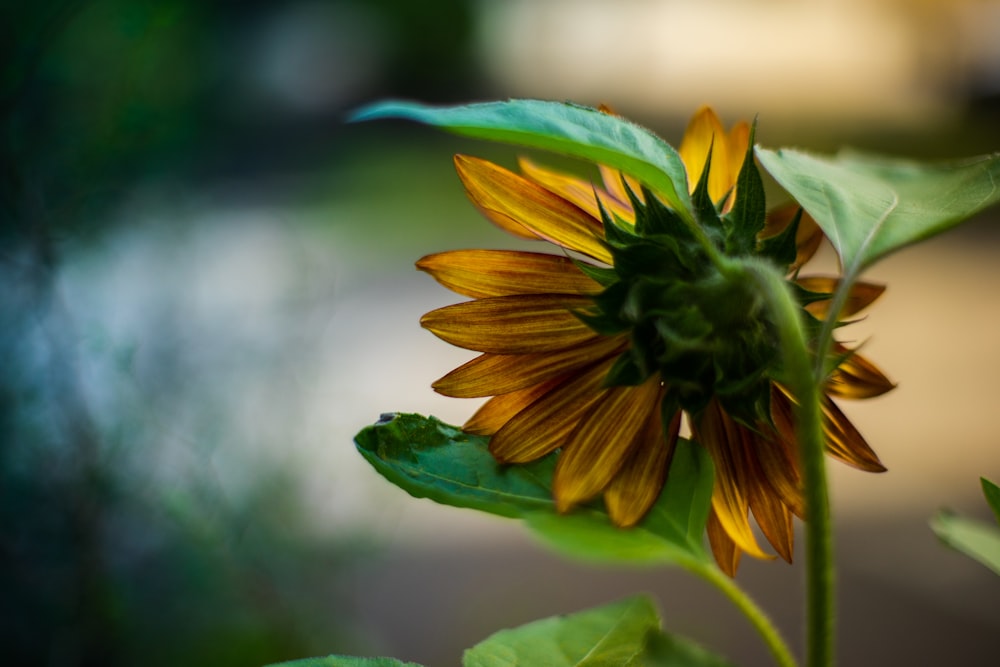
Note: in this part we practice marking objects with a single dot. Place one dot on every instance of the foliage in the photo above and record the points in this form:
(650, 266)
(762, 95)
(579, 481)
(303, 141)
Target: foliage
(430, 459)
(622, 634)
(976, 539)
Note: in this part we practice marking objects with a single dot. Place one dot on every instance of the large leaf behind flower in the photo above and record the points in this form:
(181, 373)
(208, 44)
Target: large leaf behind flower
(871, 206)
(623, 634)
(570, 129)
(431, 459)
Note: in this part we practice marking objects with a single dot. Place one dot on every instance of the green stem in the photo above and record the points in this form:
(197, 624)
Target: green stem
(805, 383)
(837, 302)
(757, 617)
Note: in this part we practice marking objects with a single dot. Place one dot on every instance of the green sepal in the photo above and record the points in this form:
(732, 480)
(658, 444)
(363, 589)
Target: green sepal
(704, 207)
(652, 217)
(806, 296)
(626, 633)
(782, 248)
(647, 259)
(607, 320)
(602, 275)
(617, 233)
(602, 323)
(628, 370)
(749, 212)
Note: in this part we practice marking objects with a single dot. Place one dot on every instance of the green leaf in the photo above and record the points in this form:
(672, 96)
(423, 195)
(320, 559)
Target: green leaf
(871, 206)
(992, 493)
(611, 635)
(668, 650)
(345, 661)
(980, 541)
(623, 634)
(570, 129)
(430, 459)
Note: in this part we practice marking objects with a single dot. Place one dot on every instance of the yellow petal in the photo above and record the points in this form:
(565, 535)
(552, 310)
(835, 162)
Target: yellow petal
(497, 411)
(723, 439)
(546, 424)
(617, 199)
(704, 133)
(739, 142)
(576, 190)
(638, 484)
(602, 442)
(774, 519)
(844, 442)
(519, 324)
(856, 377)
(778, 455)
(504, 196)
(862, 295)
(727, 554)
(493, 374)
(484, 273)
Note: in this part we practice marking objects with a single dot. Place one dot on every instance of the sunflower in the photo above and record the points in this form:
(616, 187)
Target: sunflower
(599, 350)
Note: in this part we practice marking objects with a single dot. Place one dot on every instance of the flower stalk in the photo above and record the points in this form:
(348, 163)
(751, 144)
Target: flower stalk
(805, 384)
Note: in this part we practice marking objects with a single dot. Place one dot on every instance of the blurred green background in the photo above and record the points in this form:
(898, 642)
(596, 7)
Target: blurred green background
(208, 289)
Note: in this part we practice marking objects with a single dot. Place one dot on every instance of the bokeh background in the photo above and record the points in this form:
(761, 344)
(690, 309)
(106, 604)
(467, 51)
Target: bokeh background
(207, 289)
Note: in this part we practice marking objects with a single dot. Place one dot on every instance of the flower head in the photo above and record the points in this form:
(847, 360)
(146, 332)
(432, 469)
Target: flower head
(599, 349)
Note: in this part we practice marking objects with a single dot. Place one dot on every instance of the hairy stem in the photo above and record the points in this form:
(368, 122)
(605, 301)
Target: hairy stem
(757, 617)
(805, 381)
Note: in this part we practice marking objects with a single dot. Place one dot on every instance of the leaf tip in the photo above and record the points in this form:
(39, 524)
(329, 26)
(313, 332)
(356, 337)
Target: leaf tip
(379, 110)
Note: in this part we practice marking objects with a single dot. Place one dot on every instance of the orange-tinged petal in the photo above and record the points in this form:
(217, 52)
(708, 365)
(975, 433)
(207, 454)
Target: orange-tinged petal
(726, 553)
(723, 439)
(547, 423)
(493, 374)
(519, 324)
(856, 377)
(704, 133)
(844, 442)
(807, 237)
(503, 195)
(778, 455)
(602, 442)
(774, 519)
(638, 484)
(862, 295)
(497, 411)
(485, 273)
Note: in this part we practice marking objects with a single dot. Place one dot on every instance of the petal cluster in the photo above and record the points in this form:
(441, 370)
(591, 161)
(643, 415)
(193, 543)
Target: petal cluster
(598, 349)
